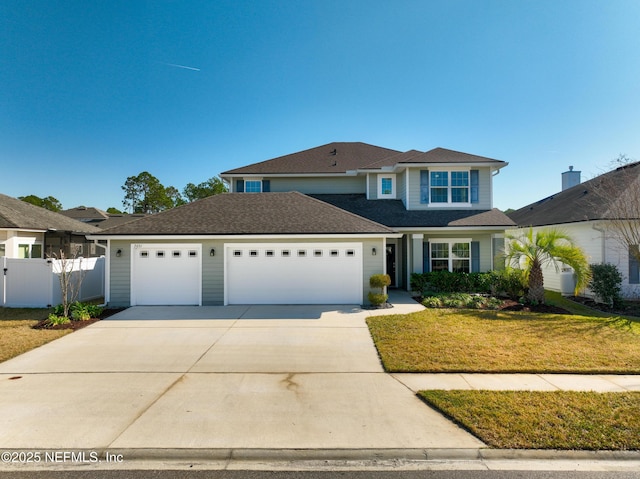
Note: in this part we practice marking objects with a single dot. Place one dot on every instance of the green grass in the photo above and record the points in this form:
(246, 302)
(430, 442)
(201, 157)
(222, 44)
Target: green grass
(17, 335)
(544, 420)
(449, 340)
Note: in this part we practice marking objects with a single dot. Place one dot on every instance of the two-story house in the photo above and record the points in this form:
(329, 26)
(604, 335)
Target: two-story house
(312, 227)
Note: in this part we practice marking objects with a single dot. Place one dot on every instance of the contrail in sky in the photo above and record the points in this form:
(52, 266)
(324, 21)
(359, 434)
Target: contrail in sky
(181, 66)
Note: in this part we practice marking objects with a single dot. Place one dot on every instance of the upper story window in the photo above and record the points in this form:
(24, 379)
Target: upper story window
(449, 186)
(457, 187)
(253, 186)
(386, 186)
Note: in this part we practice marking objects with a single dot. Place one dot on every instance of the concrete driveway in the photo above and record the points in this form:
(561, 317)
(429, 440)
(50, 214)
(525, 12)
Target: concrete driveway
(236, 377)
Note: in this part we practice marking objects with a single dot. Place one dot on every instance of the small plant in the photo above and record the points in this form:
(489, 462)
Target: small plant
(79, 311)
(380, 281)
(606, 283)
(432, 302)
(55, 320)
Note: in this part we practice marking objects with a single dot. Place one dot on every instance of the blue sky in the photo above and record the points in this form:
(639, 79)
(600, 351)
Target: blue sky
(92, 92)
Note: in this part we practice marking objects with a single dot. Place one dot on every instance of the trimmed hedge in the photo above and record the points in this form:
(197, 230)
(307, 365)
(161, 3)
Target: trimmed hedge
(508, 282)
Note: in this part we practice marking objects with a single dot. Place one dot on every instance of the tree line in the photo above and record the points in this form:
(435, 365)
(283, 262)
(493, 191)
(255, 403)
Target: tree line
(143, 193)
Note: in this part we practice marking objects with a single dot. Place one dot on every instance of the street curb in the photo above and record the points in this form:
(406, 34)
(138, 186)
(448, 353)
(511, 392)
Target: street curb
(427, 454)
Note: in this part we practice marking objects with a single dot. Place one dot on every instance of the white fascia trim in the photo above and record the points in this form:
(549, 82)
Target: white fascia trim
(26, 230)
(142, 239)
(290, 175)
(452, 229)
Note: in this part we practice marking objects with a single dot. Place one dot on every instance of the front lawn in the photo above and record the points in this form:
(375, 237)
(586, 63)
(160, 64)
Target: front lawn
(447, 340)
(544, 420)
(17, 335)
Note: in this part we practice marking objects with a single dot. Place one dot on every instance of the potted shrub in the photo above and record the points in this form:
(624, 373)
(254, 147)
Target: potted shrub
(379, 281)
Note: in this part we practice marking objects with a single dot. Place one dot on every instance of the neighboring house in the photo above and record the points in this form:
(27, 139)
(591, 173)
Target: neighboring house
(580, 211)
(312, 227)
(28, 231)
(89, 215)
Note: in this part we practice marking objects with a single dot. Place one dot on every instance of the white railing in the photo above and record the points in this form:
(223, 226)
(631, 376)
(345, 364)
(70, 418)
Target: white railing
(35, 283)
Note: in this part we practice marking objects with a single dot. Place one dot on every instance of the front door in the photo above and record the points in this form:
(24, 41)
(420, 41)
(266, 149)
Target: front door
(391, 263)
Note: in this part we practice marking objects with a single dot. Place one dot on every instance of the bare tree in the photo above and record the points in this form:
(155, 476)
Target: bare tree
(615, 199)
(70, 277)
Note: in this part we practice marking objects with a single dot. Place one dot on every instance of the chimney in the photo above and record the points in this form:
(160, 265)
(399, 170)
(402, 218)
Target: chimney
(570, 178)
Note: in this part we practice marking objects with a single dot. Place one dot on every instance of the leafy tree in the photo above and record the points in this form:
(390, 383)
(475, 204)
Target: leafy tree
(145, 194)
(547, 246)
(113, 211)
(212, 186)
(50, 203)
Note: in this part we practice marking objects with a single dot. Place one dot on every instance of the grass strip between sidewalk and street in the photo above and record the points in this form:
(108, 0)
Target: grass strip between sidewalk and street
(480, 341)
(567, 420)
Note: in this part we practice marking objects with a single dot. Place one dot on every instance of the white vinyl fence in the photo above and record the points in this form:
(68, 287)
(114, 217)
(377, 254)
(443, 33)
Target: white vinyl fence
(35, 283)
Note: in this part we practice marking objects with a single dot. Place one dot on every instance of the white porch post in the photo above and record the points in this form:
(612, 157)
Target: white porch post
(417, 240)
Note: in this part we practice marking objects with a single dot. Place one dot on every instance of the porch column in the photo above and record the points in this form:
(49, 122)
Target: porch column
(416, 246)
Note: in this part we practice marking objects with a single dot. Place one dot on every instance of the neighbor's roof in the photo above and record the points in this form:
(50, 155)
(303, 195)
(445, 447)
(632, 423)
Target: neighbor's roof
(335, 157)
(392, 213)
(17, 214)
(251, 213)
(85, 213)
(582, 202)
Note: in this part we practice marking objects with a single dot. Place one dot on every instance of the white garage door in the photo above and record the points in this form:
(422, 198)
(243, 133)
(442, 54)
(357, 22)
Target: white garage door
(166, 274)
(285, 273)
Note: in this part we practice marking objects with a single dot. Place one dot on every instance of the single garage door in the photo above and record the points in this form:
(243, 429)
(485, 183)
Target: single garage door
(166, 274)
(301, 273)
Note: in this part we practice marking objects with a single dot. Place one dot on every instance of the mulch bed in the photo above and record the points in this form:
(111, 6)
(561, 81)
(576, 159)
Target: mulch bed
(75, 325)
(629, 308)
(510, 305)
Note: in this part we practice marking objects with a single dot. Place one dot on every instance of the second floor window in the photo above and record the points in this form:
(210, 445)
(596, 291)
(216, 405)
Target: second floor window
(449, 186)
(253, 186)
(386, 186)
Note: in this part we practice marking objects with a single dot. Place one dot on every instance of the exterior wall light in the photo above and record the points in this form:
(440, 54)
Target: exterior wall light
(119, 253)
(373, 251)
(212, 252)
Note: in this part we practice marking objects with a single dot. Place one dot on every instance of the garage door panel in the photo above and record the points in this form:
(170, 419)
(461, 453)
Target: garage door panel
(294, 274)
(166, 275)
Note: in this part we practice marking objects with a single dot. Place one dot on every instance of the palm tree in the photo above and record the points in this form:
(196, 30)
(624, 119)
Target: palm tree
(548, 246)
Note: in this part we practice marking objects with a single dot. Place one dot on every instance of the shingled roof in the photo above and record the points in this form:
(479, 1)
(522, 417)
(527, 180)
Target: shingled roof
(247, 214)
(18, 214)
(392, 213)
(337, 157)
(581, 202)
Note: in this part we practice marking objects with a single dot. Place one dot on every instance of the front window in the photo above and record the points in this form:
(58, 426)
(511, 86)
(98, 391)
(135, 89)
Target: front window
(449, 187)
(253, 186)
(451, 256)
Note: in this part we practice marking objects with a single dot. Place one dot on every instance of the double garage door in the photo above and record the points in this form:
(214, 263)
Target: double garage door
(268, 273)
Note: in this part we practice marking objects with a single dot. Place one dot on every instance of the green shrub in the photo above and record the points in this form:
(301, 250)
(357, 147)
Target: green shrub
(509, 282)
(606, 283)
(377, 298)
(432, 302)
(379, 281)
(79, 311)
(447, 282)
(55, 320)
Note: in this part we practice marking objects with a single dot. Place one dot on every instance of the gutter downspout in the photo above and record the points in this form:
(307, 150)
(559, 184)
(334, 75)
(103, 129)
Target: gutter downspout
(105, 277)
(602, 242)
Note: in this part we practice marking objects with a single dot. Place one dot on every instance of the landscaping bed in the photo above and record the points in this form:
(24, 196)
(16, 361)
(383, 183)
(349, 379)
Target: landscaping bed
(75, 325)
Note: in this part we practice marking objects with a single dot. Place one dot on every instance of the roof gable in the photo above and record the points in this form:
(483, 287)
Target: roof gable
(18, 214)
(442, 155)
(337, 157)
(251, 214)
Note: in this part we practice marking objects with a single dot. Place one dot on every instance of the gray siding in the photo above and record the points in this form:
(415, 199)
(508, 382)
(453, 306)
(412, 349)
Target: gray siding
(401, 187)
(120, 274)
(344, 184)
(484, 191)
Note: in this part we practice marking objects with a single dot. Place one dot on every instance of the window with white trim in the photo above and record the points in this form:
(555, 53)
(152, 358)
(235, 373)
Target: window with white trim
(453, 256)
(449, 187)
(253, 186)
(386, 186)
